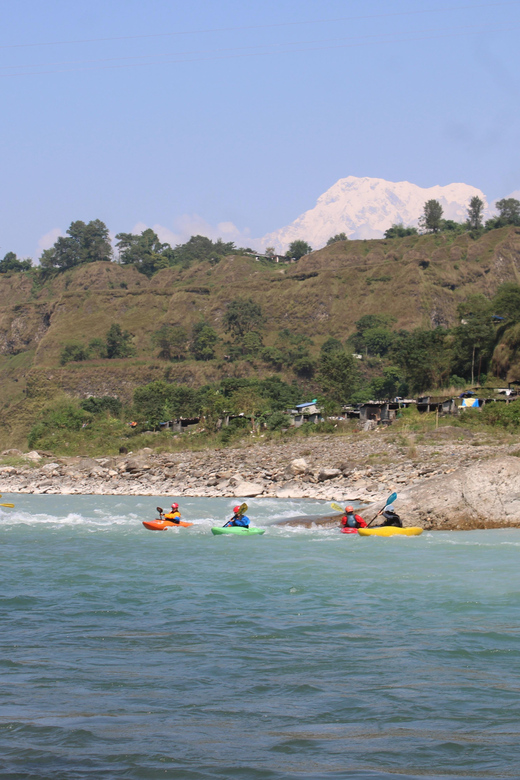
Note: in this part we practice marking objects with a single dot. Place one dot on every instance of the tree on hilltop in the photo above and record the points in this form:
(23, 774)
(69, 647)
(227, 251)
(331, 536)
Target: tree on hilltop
(84, 243)
(509, 211)
(336, 238)
(431, 219)
(144, 251)
(13, 263)
(475, 209)
(398, 230)
(298, 249)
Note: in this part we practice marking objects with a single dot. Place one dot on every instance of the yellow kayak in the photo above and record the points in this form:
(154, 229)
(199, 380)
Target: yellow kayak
(390, 530)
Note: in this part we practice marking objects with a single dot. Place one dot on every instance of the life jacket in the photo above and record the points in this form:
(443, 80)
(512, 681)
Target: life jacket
(392, 518)
(242, 521)
(173, 516)
(353, 521)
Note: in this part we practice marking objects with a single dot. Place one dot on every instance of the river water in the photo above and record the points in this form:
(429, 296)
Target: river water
(302, 654)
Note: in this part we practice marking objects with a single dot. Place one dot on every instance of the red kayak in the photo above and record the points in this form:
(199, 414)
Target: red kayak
(348, 530)
(163, 525)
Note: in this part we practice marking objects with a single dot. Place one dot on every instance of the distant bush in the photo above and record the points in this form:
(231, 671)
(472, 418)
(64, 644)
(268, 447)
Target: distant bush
(74, 353)
(501, 415)
(63, 414)
(104, 403)
(278, 420)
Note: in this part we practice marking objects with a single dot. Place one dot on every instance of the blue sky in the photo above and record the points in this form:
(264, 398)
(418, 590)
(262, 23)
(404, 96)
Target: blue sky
(195, 115)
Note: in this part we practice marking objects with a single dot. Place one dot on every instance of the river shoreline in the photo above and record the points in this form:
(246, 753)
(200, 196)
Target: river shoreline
(365, 468)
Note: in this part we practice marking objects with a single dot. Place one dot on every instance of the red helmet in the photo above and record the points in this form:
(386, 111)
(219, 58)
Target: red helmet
(236, 510)
(349, 509)
(175, 506)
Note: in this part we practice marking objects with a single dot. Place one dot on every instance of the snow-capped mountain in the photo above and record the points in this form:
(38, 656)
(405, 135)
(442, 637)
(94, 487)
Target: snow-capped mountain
(365, 208)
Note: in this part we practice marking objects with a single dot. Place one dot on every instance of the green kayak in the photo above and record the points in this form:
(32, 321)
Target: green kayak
(237, 531)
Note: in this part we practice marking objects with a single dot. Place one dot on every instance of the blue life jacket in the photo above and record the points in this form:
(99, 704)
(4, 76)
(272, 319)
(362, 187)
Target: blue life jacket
(242, 521)
(351, 521)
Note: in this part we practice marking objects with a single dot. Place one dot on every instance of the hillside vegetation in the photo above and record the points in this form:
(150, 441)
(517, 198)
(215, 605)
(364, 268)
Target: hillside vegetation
(416, 281)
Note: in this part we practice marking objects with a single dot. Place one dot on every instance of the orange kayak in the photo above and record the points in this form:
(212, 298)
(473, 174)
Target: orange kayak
(163, 525)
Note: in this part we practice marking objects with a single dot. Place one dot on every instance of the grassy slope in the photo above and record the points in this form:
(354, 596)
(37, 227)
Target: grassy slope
(418, 279)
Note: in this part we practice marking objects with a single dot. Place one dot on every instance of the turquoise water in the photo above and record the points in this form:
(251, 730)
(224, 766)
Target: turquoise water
(301, 654)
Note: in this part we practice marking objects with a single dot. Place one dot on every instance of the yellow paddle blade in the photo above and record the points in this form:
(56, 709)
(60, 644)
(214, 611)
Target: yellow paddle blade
(11, 506)
(337, 507)
(243, 508)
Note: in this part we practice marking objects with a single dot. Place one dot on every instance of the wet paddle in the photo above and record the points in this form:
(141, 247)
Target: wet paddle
(11, 506)
(390, 500)
(241, 511)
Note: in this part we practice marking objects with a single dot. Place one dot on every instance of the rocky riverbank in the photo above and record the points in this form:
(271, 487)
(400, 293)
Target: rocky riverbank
(443, 481)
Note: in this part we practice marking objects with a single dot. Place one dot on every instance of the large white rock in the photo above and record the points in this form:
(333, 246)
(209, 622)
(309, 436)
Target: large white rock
(33, 456)
(248, 490)
(299, 466)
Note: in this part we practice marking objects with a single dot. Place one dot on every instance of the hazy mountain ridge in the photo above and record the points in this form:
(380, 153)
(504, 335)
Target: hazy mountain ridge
(365, 207)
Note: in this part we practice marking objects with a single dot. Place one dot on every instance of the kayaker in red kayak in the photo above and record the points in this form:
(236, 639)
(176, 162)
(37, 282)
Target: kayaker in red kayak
(174, 515)
(351, 520)
(239, 518)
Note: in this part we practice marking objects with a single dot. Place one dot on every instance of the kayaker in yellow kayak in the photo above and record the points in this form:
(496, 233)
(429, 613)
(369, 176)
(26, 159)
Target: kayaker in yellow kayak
(391, 518)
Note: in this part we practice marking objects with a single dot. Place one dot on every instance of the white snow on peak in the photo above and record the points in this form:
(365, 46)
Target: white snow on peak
(365, 208)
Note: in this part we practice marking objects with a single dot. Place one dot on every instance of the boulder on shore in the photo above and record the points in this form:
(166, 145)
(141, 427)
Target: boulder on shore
(248, 489)
(485, 495)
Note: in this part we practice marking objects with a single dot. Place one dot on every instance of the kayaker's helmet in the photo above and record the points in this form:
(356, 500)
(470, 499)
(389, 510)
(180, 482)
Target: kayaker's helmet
(349, 509)
(175, 506)
(236, 510)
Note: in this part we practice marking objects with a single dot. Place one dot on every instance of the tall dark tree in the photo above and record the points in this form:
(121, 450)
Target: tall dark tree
(144, 251)
(424, 355)
(474, 338)
(475, 209)
(118, 343)
(338, 375)
(84, 243)
(431, 219)
(205, 339)
(508, 211)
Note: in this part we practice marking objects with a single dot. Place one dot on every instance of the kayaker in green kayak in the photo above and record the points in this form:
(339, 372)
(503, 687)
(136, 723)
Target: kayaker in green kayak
(239, 519)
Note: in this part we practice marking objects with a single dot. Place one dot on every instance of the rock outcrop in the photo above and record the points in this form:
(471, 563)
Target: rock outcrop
(486, 495)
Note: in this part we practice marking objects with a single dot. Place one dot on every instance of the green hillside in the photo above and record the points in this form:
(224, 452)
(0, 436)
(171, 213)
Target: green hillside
(417, 280)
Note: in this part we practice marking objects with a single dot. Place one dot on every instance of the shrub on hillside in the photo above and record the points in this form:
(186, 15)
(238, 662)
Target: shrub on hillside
(64, 414)
(501, 415)
(74, 353)
(172, 342)
(278, 420)
(104, 403)
(205, 339)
